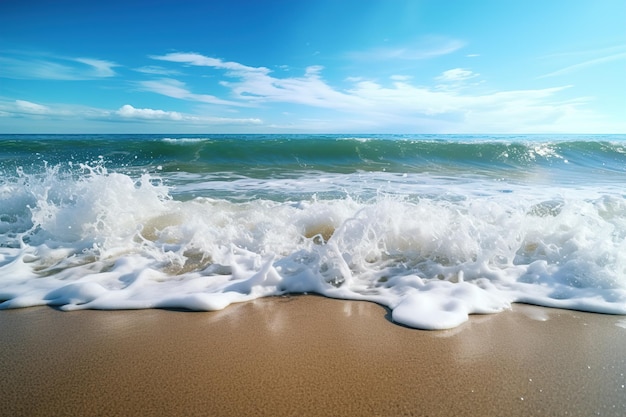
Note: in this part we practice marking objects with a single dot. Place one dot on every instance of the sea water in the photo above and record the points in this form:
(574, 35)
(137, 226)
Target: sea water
(434, 227)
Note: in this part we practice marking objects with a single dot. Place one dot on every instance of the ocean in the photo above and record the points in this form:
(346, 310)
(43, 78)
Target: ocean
(434, 227)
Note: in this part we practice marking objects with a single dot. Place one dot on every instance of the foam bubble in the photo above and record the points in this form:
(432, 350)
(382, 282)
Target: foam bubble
(97, 239)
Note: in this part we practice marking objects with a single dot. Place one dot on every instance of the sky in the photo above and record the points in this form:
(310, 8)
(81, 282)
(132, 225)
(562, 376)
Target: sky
(313, 66)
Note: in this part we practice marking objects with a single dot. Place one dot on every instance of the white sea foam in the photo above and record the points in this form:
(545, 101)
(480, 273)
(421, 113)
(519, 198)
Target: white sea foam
(433, 250)
(182, 141)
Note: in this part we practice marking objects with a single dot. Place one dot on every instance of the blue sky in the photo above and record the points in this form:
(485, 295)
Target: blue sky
(320, 66)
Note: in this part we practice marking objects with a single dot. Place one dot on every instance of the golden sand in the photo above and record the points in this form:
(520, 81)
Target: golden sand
(309, 356)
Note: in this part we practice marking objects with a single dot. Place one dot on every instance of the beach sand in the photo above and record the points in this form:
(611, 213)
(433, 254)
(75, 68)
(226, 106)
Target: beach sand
(308, 355)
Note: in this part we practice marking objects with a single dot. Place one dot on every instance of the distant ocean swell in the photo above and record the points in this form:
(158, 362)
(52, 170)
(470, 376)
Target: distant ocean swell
(435, 228)
(325, 153)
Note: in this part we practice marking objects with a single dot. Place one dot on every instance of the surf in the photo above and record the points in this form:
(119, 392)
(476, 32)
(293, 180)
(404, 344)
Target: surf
(433, 247)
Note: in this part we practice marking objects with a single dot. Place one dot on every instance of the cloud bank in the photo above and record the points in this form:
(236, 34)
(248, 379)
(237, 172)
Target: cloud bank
(129, 112)
(451, 103)
(455, 100)
(23, 66)
(126, 113)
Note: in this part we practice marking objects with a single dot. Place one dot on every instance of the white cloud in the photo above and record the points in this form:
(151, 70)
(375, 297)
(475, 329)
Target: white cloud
(403, 98)
(254, 85)
(446, 107)
(24, 109)
(99, 67)
(128, 111)
(396, 102)
(50, 67)
(311, 90)
(313, 71)
(192, 58)
(27, 69)
(177, 89)
(424, 48)
(157, 70)
(30, 107)
(401, 77)
(585, 64)
(409, 101)
(456, 75)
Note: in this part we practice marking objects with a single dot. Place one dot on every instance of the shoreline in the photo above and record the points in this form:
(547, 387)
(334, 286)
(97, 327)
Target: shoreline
(309, 355)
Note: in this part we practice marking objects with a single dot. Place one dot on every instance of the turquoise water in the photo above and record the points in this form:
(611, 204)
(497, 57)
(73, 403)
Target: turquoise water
(435, 227)
(271, 155)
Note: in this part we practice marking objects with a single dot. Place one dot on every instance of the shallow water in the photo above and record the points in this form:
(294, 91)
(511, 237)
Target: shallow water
(433, 227)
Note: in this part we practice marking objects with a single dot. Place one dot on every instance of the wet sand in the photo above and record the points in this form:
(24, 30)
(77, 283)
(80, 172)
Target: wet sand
(307, 355)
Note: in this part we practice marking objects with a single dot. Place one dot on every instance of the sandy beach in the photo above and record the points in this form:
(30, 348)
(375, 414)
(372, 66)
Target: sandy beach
(309, 356)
